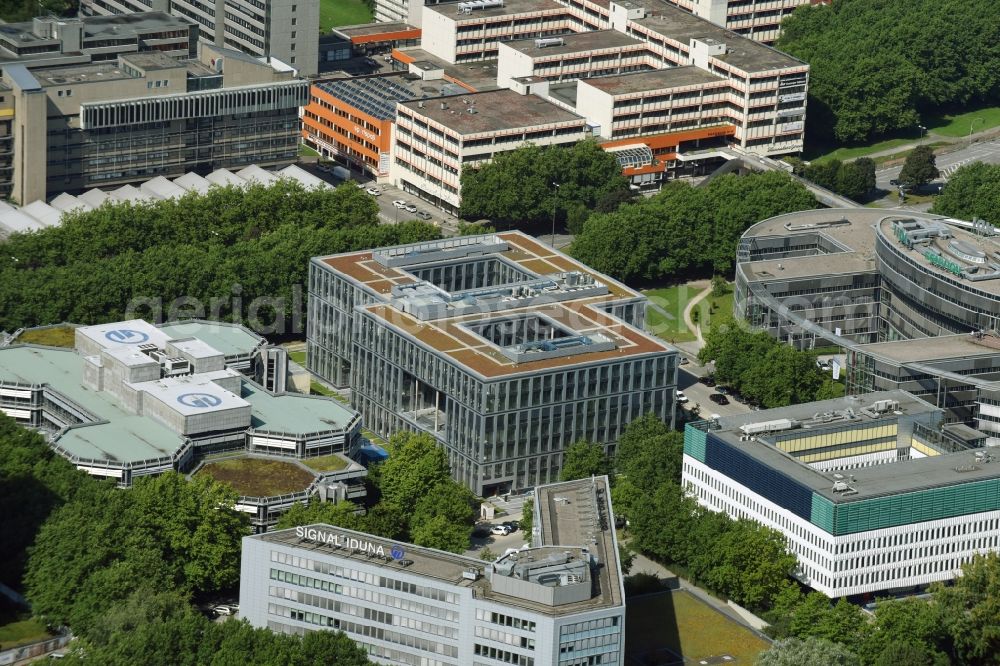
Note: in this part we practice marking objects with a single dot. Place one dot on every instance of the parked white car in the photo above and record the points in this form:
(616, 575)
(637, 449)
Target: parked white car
(399, 203)
(374, 191)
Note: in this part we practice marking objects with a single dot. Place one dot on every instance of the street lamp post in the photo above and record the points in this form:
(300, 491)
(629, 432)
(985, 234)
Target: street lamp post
(923, 130)
(555, 201)
(971, 125)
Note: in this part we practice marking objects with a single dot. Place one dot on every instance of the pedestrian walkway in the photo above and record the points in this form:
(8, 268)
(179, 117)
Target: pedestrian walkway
(689, 308)
(931, 137)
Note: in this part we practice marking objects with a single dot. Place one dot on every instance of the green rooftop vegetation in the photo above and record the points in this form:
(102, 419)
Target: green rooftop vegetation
(679, 623)
(259, 477)
(55, 336)
(330, 463)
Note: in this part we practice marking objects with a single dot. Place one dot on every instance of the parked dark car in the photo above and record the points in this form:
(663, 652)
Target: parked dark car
(514, 525)
(719, 399)
(707, 380)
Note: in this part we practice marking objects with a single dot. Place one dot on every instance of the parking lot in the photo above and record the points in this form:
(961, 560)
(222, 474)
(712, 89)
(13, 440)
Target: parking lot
(497, 544)
(698, 394)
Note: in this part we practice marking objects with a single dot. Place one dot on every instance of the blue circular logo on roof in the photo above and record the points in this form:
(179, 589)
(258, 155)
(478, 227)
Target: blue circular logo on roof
(202, 400)
(397, 552)
(126, 336)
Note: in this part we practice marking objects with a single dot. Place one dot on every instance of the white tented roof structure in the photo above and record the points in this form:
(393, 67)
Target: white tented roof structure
(38, 215)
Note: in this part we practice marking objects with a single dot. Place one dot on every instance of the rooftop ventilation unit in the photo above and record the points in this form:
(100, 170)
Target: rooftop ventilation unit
(549, 41)
(471, 5)
(768, 426)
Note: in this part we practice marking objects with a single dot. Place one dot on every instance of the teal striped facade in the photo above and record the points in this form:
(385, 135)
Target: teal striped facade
(845, 517)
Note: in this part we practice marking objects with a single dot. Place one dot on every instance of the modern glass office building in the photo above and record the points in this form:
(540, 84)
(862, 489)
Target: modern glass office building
(912, 300)
(872, 493)
(559, 602)
(504, 349)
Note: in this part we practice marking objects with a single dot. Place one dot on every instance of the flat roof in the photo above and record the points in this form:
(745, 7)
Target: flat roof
(480, 75)
(935, 349)
(230, 339)
(153, 60)
(869, 482)
(86, 73)
(988, 246)
(508, 8)
(193, 394)
(377, 95)
(595, 40)
(126, 437)
(496, 111)
(657, 79)
(571, 526)
(681, 26)
(851, 228)
(295, 413)
(372, 29)
(447, 334)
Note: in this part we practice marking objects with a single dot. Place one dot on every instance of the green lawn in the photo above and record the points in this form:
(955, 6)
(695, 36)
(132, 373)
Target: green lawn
(259, 477)
(711, 311)
(672, 300)
(22, 631)
(299, 357)
(684, 625)
(306, 151)
(330, 463)
(60, 336)
(959, 125)
(859, 151)
(333, 13)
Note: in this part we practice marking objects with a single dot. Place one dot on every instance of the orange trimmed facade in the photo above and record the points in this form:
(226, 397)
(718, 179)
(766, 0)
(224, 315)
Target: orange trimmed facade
(666, 147)
(335, 128)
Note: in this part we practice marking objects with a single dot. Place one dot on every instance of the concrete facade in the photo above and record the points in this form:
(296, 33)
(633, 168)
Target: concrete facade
(146, 115)
(281, 29)
(504, 350)
(558, 603)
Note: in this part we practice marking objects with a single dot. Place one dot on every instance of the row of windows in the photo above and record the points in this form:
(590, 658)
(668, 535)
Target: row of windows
(371, 579)
(328, 603)
(503, 655)
(504, 620)
(354, 628)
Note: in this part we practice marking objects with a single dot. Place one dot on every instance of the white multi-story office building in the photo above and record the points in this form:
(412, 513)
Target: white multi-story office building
(559, 602)
(756, 19)
(669, 92)
(872, 492)
(436, 140)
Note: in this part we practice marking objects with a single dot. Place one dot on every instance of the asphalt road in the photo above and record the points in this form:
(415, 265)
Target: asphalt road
(987, 151)
(698, 394)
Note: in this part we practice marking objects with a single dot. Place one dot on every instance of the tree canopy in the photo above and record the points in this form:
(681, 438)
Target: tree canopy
(212, 255)
(685, 229)
(880, 66)
(764, 370)
(973, 191)
(854, 180)
(799, 652)
(166, 532)
(418, 499)
(528, 185)
(582, 460)
(920, 167)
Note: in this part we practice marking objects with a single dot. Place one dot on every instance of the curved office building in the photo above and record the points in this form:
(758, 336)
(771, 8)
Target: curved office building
(912, 299)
